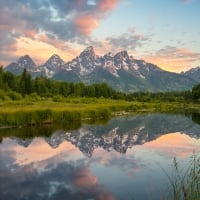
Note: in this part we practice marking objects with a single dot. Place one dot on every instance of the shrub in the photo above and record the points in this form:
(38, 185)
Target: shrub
(14, 95)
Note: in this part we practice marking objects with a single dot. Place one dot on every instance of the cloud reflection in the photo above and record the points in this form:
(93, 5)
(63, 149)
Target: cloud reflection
(174, 144)
(67, 180)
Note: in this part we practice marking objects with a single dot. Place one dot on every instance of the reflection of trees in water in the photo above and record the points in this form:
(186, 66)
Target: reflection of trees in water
(46, 130)
(38, 131)
(196, 118)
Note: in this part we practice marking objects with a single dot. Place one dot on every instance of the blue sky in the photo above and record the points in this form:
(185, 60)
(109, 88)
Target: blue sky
(163, 32)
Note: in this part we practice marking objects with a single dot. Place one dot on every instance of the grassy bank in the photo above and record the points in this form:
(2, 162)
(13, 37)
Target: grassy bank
(29, 112)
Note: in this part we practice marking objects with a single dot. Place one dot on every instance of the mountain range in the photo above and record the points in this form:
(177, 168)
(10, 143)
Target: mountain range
(120, 71)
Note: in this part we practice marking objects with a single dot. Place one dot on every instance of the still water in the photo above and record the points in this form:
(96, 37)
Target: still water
(126, 159)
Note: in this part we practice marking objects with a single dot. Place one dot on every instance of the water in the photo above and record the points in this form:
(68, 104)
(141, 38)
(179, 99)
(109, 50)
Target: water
(127, 158)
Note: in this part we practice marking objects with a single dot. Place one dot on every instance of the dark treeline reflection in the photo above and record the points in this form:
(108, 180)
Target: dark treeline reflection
(37, 131)
(45, 130)
(196, 118)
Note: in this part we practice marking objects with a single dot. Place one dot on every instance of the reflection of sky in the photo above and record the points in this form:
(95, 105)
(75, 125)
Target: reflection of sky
(41, 172)
(174, 144)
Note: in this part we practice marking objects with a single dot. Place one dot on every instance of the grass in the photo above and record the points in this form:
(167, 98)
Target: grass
(20, 113)
(29, 112)
(184, 184)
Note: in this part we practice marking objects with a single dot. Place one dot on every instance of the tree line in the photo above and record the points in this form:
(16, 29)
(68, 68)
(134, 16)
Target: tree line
(17, 87)
(24, 85)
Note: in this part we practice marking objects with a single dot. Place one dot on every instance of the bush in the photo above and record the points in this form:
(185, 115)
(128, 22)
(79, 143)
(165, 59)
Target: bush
(14, 95)
(3, 96)
(34, 97)
(58, 98)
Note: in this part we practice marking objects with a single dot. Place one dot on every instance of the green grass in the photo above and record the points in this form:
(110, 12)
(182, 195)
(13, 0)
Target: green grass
(29, 112)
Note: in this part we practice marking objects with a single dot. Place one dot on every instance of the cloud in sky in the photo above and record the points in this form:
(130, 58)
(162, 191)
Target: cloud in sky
(62, 18)
(173, 58)
(60, 21)
(129, 40)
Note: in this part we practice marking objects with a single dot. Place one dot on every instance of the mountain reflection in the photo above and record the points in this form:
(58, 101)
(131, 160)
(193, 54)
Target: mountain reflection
(120, 134)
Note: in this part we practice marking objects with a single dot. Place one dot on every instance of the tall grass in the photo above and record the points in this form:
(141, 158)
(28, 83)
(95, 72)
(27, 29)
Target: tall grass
(184, 184)
(47, 110)
(38, 116)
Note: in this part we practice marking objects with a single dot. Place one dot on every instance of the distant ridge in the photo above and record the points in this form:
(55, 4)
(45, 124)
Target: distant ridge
(193, 73)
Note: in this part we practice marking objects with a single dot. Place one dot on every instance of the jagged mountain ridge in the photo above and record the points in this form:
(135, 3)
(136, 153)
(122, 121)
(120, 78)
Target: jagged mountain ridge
(120, 71)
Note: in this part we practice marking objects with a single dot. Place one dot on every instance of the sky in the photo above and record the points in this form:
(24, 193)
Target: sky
(163, 32)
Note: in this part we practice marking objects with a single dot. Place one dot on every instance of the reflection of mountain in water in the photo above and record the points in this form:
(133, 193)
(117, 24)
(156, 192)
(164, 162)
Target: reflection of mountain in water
(122, 133)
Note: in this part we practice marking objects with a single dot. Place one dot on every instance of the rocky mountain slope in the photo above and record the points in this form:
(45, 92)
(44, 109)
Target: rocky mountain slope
(193, 73)
(121, 71)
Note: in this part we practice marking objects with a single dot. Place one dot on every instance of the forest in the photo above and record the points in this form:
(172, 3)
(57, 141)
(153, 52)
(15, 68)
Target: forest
(14, 87)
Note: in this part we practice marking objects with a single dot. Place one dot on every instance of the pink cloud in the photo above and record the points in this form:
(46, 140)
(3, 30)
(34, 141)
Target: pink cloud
(174, 144)
(86, 24)
(88, 21)
(30, 33)
(105, 196)
(107, 5)
(174, 59)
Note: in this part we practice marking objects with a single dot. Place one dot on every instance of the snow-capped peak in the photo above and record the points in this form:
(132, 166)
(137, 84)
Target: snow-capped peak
(55, 59)
(88, 52)
(122, 54)
(26, 62)
(25, 58)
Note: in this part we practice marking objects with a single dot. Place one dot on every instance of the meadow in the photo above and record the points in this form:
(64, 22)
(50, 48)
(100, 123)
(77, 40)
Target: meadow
(46, 110)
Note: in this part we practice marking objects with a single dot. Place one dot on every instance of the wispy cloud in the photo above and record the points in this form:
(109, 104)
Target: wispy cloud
(129, 40)
(174, 58)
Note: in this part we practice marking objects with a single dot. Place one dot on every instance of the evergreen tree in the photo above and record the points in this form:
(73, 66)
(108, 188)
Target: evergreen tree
(1, 77)
(196, 92)
(25, 85)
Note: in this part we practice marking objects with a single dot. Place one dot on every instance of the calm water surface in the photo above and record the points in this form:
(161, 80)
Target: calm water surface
(125, 159)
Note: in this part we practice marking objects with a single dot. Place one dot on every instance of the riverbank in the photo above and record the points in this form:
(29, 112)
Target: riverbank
(47, 111)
